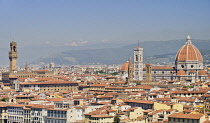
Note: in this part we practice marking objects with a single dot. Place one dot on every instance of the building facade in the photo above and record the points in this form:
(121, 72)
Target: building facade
(53, 86)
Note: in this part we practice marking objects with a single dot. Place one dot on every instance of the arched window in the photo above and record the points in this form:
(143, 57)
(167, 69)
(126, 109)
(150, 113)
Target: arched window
(14, 48)
(137, 58)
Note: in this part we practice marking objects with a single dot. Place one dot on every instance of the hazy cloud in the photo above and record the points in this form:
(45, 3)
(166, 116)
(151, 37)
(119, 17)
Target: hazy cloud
(47, 42)
(81, 43)
(104, 40)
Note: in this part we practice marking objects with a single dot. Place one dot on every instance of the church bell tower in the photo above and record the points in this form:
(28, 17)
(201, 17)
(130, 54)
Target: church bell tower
(138, 63)
(13, 55)
(130, 71)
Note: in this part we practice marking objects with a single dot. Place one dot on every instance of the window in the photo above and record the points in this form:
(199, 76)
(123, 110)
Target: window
(191, 66)
(182, 66)
(137, 58)
(137, 66)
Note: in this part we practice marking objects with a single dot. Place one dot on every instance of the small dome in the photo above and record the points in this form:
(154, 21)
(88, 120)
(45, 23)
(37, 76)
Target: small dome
(181, 72)
(192, 71)
(202, 72)
(188, 52)
(125, 66)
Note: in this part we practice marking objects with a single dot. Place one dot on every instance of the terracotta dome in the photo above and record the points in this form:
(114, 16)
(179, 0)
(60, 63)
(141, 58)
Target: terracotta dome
(125, 66)
(192, 71)
(181, 72)
(188, 52)
(202, 72)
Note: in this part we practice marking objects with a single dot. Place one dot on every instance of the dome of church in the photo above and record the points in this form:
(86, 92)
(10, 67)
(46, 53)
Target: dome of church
(181, 72)
(188, 52)
(202, 72)
(125, 66)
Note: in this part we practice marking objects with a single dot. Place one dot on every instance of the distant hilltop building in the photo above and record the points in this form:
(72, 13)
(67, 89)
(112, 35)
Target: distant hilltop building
(13, 74)
(188, 66)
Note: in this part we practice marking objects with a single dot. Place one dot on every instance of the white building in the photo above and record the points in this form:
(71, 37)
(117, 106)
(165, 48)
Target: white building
(138, 63)
(15, 114)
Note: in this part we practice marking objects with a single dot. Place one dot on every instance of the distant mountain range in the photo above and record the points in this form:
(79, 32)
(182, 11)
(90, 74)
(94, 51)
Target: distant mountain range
(33, 52)
(101, 53)
(154, 52)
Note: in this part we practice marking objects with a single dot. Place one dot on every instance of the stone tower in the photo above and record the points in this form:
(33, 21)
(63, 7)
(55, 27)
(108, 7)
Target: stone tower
(138, 63)
(13, 55)
(148, 72)
(130, 71)
(26, 67)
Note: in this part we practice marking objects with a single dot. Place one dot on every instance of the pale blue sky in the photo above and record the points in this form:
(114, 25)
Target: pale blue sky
(80, 22)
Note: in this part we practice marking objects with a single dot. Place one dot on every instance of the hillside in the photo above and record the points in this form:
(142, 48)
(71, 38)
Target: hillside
(154, 52)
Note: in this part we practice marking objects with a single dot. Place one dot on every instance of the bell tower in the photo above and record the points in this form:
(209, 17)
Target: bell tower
(149, 72)
(13, 55)
(130, 71)
(138, 63)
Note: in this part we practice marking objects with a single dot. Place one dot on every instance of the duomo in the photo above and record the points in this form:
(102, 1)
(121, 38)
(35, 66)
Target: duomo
(188, 66)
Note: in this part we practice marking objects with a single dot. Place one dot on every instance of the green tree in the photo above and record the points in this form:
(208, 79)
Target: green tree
(115, 73)
(3, 100)
(191, 86)
(117, 119)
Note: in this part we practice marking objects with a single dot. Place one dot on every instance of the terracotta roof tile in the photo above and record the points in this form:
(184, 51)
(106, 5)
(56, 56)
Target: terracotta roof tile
(186, 116)
(188, 52)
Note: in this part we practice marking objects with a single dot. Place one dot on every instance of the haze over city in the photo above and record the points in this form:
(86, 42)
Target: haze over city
(104, 61)
(80, 22)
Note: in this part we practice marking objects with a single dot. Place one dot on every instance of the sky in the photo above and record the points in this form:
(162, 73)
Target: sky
(83, 22)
